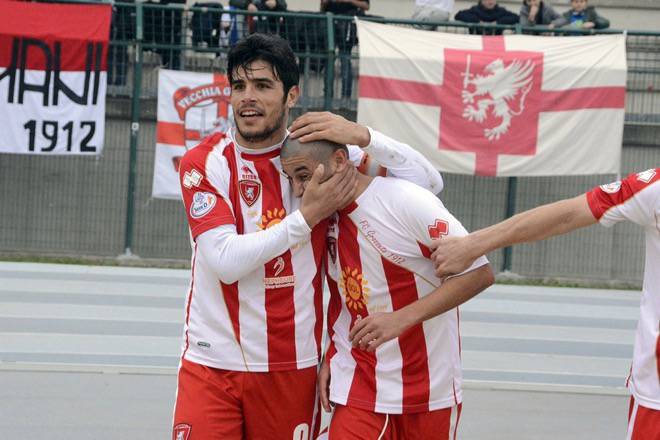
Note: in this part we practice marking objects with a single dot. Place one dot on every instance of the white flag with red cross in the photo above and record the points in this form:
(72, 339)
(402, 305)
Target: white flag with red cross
(191, 105)
(513, 105)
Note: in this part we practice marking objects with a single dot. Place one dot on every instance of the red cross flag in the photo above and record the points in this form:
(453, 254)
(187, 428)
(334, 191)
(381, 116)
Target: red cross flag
(513, 105)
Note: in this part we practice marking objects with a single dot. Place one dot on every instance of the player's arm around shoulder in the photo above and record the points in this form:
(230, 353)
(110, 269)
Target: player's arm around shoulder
(371, 151)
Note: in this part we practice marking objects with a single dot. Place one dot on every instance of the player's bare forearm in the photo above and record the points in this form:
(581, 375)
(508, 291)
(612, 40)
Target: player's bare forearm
(454, 254)
(452, 293)
(369, 333)
(536, 224)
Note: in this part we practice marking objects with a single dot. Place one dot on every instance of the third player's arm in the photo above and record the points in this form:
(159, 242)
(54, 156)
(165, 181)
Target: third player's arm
(454, 254)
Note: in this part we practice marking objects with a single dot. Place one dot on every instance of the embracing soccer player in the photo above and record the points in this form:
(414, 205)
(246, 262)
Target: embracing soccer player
(393, 363)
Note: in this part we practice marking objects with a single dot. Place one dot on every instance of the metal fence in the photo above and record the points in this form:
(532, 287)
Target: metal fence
(103, 207)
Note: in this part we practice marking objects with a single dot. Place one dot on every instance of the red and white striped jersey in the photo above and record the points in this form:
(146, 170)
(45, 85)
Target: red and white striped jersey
(637, 198)
(378, 261)
(274, 308)
(276, 311)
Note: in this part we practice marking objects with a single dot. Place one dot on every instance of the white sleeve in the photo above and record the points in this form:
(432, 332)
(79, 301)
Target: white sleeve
(400, 160)
(634, 198)
(232, 256)
(428, 219)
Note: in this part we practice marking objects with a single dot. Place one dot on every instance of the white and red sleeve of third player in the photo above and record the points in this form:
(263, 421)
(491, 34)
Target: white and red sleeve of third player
(637, 199)
(378, 262)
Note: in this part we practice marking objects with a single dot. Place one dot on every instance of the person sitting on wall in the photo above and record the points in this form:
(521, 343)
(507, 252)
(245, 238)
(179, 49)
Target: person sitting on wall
(487, 12)
(582, 16)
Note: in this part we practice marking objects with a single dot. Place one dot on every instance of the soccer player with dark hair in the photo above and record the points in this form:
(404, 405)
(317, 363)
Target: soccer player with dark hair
(254, 311)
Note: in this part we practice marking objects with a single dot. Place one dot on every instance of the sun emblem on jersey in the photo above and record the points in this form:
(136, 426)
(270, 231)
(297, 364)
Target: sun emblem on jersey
(271, 218)
(355, 290)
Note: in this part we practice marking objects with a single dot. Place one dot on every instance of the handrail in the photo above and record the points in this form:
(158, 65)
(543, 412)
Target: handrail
(385, 20)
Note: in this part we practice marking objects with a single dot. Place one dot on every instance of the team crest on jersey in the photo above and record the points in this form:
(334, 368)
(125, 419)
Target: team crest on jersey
(354, 288)
(181, 431)
(439, 228)
(611, 188)
(203, 203)
(271, 218)
(646, 176)
(250, 191)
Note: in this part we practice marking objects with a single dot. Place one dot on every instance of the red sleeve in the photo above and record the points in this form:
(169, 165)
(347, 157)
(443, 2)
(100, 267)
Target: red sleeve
(206, 207)
(604, 197)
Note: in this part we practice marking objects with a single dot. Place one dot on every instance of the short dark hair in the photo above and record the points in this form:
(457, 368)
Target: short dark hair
(319, 150)
(272, 49)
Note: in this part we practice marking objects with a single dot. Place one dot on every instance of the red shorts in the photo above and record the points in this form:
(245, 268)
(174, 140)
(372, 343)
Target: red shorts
(358, 424)
(235, 405)
(643, 423)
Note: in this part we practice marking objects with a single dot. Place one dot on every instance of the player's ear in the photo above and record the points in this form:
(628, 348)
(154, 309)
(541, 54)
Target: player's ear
(292, 97)
(340, 157)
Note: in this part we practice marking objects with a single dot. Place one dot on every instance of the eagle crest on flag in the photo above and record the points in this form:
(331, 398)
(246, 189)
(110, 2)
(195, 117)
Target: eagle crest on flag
(497, 88)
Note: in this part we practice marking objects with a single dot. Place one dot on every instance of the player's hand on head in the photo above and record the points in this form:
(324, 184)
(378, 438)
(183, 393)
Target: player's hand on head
(371, 332)
(314, 126)
(321, 199)
(324, 385)
(450, 255)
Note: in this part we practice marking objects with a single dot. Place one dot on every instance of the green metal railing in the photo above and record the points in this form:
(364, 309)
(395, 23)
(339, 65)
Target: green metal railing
(145, 37)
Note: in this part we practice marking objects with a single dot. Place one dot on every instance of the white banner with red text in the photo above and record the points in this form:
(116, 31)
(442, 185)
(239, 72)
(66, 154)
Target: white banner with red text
(191, 106)
(53, 77)
(511, 105)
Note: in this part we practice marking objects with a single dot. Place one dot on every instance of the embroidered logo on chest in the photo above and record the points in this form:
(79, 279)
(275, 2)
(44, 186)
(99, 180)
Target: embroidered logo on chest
(249, 190)
(271, 217)
(439, 228)
(249, 186)
(354, 289)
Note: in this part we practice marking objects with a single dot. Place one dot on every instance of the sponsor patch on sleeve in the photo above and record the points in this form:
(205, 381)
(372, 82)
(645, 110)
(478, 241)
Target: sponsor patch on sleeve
(203, 203)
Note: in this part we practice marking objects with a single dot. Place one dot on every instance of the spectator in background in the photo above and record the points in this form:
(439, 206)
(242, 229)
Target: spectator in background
(432, 11)
(259, 5)
(487, 12)
(345, 37)
(250, 24)
(537, 12)
(582, 16)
